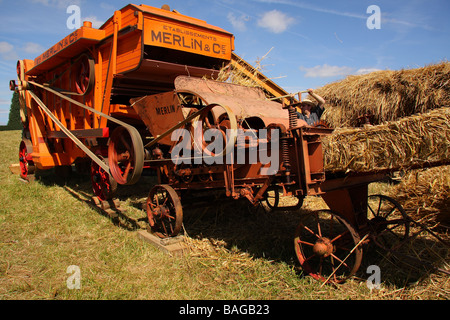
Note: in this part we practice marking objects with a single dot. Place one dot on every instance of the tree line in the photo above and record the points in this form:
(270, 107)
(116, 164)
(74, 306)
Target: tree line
(14, 122)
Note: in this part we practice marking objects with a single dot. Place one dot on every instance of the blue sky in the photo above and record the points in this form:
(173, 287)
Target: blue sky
(309, 43)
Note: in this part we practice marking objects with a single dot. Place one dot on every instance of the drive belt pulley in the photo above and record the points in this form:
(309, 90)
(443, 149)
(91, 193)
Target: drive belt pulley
(128, 173)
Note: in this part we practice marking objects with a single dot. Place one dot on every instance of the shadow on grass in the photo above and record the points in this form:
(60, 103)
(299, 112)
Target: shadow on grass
(262, 234)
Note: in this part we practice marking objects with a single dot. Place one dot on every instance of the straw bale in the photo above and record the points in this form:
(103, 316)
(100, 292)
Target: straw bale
(386, 95)
(409, 142)
(425, 195)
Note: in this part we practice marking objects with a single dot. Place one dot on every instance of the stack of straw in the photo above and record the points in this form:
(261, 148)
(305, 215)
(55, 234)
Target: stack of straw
(409, 142)
(424, 195)
(386, 95)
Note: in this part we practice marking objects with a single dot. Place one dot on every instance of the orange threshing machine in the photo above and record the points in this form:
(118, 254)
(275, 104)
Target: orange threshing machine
(116, 95)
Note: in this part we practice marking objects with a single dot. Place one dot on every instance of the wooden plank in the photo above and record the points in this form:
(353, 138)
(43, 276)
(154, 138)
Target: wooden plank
(173, 246)
(15, 168)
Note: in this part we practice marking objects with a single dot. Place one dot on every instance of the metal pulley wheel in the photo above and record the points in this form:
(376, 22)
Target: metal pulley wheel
(84, 74)
(164, 211)
(126, 155)
(222, 119)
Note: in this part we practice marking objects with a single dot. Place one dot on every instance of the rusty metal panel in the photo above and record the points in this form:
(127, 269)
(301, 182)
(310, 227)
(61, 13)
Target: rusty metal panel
(245, 102)
(159, 112)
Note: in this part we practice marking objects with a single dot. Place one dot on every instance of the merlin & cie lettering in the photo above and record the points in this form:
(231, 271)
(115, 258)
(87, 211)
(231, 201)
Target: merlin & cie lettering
(188, 40)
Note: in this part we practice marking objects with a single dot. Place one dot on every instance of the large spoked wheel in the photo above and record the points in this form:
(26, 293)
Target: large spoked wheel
(388, 222)
(126, 155)
(327, 247)
(25, 160)
(164, 211)
(103, 185)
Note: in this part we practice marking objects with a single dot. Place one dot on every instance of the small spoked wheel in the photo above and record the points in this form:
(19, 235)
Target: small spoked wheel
(388, 222)
(164, 211)
(327, 247)
(103, 185)
(126, 155)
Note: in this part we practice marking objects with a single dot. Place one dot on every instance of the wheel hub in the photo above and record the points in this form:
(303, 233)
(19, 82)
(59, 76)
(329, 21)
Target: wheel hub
(161, 212)
(323, 247)
(378, 224)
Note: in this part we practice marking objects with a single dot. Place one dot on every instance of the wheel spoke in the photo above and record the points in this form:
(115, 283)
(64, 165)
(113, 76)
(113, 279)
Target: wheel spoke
(125, 143)
(127, 170)
(389, 213)
(310, 231)
(307, 243)
(334, 245)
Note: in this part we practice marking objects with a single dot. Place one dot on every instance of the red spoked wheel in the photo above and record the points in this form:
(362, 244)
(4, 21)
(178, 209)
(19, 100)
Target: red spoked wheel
(327, 247)
(126, 155)
(26, 161)
(164, 211)
(103, 185)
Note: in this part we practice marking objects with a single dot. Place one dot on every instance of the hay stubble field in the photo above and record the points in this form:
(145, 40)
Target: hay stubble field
(234, 253)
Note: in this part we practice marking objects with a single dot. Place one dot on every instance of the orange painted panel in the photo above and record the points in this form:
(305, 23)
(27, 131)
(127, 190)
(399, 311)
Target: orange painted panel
(185, 37)
(70, 46)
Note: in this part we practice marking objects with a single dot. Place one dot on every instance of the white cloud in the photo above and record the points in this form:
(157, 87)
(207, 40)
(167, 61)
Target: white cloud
(5, 47)
(326, 71)
(238, 23)
(57, 3)
(275, 21)
(366, 70)
(96, 23)
(33, 48)
(7, 51)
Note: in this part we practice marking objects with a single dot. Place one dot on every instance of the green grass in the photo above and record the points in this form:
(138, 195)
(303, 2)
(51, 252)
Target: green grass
(48, 225)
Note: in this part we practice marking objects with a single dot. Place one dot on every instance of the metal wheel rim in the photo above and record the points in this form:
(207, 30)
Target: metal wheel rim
(170, 223)
(340, 238)
(231, 125)
(387, 233)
